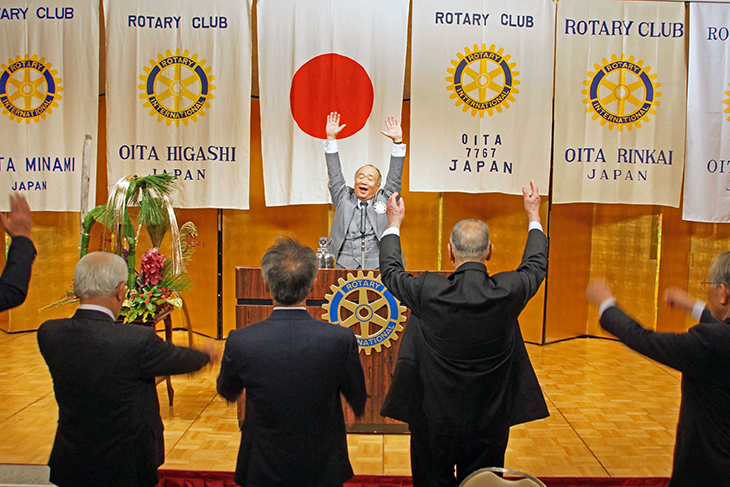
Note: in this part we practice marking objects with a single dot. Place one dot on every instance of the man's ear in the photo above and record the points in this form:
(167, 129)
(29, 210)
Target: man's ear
(452, 257)
(121, 291)
(724, 294)
(489, 251)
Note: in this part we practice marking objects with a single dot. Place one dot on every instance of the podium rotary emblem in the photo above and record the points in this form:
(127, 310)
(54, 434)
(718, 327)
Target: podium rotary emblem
(621, 92)
(482, 80)
(364, 303)
(29, 88)
(177, 87)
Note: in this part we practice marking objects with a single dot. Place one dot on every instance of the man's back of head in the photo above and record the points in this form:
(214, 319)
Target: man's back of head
(289, 269)
(98, 275)
(469, 242)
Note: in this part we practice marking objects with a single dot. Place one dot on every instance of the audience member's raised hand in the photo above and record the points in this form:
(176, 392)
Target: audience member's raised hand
(678, 298)
(396, 210)
(598, 291)
(531, 199)
(20, 222)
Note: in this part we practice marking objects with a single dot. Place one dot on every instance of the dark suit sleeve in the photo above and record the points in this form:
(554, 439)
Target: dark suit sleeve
(533, 268)
(159, 357)
(229, 385)
(688, 352)
(353, 382)
(403, 285)
(707, 316)
(395, 176)
(16, 275)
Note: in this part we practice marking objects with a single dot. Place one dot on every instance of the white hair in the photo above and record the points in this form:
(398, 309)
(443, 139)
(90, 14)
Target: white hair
(98, 274)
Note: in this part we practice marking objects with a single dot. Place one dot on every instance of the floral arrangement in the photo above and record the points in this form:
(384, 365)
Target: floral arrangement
(156, 287)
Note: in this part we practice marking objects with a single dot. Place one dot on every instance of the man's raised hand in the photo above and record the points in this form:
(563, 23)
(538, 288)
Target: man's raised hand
(333, 126)
(393, 130)
(532, 202)
(396, 211)
(20, 222)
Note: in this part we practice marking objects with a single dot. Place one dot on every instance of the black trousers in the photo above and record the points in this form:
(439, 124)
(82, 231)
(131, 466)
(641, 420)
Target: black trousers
(433, 457)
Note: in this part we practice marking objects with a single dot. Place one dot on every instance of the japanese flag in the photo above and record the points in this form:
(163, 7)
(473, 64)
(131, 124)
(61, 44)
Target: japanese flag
(322, 56)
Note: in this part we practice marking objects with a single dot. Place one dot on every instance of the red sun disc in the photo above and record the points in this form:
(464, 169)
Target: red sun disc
(331, 83)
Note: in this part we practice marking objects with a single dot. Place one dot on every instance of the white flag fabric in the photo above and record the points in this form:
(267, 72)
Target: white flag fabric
(619, 102)
(179, 96)
(481, 96)
(328, 55)
(49, 90)
(707, 168)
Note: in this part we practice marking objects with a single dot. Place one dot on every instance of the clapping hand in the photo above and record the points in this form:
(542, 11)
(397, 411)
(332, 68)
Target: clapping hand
(598, 291)
(678, 298)
(333, 126)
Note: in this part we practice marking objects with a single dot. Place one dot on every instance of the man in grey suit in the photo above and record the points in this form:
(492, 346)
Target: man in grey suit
(349, 227)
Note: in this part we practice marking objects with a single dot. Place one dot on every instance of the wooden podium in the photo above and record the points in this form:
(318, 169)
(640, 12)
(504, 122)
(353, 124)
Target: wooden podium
(254, 304)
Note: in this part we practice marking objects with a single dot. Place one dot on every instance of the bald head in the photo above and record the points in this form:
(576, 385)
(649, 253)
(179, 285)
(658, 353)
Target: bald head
(98, 274)
(470, 241)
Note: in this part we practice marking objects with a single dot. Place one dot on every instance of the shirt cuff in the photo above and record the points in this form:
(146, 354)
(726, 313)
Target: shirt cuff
(534, 226)
(607, 303)
(698, 308)
(399, 150)
(330, 146)
(391, 231)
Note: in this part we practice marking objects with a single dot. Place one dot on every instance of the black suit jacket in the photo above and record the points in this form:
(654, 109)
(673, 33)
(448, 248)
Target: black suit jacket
(702, 354)
(109, 426)
(293, 368)
(16, 275)
(462, 368)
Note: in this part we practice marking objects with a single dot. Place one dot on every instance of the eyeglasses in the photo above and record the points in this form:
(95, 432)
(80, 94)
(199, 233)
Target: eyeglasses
(706, 284)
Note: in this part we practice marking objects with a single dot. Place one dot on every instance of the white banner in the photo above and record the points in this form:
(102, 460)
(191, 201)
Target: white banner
(707, 173)
(49, 90)
(481, 96)
(619, 102)
(330, 55)
(178, 88)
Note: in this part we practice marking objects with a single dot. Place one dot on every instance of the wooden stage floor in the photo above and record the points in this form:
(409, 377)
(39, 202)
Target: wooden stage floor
(613, 413)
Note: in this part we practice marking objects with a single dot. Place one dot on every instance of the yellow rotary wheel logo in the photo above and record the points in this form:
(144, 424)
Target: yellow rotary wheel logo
(727, 102)
(29, 88)
(177, 87)
(482, 80)
(365, 304)
(621, 92)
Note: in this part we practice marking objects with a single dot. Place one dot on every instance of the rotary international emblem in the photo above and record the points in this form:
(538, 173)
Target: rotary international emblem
(621, 92)
(363, 302)
(726, 101)
(177, 87)
(29, 88)
(482, 80)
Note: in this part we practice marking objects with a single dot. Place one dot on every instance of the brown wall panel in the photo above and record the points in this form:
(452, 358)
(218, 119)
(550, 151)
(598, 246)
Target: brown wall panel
(673, 267)
(568, 271)
(623, 251)
(507, 221)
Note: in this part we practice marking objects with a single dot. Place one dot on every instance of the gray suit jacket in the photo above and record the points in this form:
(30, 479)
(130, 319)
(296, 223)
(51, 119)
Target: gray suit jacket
(345, 201)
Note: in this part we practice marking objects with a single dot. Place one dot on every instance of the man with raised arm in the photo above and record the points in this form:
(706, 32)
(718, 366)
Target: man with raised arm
(702, 354)
(16, 275)
(349, 226)
(463, 376)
